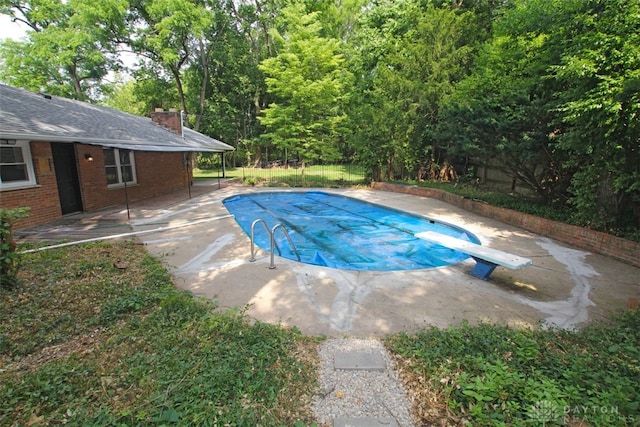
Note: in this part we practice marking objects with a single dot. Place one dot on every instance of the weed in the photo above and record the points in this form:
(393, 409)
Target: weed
(9, 257)
(496, 375)
(85, 341)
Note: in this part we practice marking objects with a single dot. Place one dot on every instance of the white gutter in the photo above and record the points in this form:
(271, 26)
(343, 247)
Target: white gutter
(123, 144)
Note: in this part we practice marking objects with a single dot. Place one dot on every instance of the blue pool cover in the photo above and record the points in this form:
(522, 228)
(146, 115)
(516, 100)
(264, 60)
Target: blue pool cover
(341, 232)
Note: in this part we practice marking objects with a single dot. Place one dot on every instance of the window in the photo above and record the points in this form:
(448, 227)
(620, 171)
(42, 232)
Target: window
(16, 166)
(119, 166)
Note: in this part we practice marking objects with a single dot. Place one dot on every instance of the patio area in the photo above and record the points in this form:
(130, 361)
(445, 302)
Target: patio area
(208, 254)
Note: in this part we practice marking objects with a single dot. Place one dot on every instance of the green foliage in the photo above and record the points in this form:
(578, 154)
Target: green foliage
(122, 96)
(599, 107)
(307, 80)
(9, 257)
(64, 53)
(500, 115)
(497, 375)
(546, 91)
(92, 341)
(553, 101)
(209, 161)
(407, 56)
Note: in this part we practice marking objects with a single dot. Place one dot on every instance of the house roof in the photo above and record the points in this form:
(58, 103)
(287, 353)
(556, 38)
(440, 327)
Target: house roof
(34, 116)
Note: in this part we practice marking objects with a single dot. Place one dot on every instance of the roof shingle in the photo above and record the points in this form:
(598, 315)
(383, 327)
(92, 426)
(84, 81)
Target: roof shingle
(33, 116)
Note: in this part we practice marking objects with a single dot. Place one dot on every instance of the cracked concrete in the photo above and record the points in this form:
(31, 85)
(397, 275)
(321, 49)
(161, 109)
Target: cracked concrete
(208, 254)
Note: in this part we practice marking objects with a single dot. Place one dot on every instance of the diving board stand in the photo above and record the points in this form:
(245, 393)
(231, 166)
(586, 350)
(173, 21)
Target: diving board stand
(487, 259)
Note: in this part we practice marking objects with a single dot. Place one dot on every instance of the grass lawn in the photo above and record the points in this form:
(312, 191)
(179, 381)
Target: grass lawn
(311, 176)
(97, 334)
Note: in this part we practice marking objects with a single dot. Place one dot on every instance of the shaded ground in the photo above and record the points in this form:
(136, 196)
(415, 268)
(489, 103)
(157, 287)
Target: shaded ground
(208, 254)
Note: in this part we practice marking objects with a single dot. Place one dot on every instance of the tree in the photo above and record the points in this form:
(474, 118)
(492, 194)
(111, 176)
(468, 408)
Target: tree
(166, 32)
(408, 58)
(70, 48)
(554, 99)
(499, 116)
(307, 80)
(599, 74)
(122, 96)
(255, 21)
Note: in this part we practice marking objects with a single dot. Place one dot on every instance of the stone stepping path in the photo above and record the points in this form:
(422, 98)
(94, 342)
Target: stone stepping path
(359, 386)
(364, 422)
(356, 361)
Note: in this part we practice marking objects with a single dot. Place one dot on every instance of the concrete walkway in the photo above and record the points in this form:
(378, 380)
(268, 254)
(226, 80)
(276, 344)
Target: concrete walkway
(208, 254)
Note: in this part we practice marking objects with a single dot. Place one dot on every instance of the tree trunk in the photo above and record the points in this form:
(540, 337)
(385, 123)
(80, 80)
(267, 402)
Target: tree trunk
(204, 62)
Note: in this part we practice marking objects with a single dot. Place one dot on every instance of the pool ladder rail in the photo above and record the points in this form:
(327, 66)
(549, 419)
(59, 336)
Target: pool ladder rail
(272, 241)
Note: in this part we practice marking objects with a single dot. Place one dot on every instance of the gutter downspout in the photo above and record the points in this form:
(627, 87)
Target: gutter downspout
(186, 156)
(123, 155)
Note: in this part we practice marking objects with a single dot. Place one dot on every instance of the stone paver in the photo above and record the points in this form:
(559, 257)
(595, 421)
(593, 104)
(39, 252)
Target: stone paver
(364, 361)
(364, 422)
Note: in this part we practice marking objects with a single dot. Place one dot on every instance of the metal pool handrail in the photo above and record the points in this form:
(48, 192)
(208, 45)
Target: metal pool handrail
(253, 245)
(272, 241)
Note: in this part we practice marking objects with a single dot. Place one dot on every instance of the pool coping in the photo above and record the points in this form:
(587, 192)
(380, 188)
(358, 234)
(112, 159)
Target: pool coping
(208, 254)
(274, 217)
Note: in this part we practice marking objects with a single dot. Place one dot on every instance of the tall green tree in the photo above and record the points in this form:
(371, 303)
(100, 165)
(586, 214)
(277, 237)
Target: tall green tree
(307, 82)
(408, 57)
(166, 33)
(122, 95)
(501, 115)
(554, 102)
(69, 49)
(256, 20)
(599, 74)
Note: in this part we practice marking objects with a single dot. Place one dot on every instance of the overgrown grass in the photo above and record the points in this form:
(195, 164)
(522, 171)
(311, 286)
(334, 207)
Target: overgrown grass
(495, 375)
(310, 176)
(98, 335)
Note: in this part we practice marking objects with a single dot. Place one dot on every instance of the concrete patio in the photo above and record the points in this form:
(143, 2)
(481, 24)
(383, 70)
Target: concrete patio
(208, 254)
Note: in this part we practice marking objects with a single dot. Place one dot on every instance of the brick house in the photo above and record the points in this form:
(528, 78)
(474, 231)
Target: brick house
(60, 156)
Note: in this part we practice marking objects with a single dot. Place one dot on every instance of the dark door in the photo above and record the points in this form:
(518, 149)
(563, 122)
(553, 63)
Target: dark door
(64, 161)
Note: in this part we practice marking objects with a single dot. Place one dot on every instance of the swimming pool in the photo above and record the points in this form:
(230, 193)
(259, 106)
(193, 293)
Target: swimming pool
(346, 233)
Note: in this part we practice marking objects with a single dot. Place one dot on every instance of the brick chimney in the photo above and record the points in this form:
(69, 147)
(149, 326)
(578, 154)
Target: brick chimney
(170, 120)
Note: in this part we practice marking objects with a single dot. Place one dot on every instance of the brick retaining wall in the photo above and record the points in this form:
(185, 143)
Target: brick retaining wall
(593, 241)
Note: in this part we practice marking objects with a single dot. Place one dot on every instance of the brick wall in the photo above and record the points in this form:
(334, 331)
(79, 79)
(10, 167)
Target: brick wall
(157, 173)
(593, 241)
(43, 199)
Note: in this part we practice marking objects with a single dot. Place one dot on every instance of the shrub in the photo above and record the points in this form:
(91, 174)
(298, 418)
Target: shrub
(9, 257)
(494, 375)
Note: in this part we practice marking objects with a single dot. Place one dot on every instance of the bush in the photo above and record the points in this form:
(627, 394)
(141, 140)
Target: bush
(9, 258)
(494, 375)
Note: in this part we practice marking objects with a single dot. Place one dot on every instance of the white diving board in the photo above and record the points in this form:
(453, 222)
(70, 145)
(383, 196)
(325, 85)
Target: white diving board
(487, 259)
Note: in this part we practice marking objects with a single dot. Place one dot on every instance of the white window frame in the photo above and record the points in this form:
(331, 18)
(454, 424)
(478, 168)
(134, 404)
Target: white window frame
(26, 156)
(132, 161)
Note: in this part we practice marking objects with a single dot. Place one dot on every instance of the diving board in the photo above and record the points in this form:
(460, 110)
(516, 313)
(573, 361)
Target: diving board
(487, 259)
